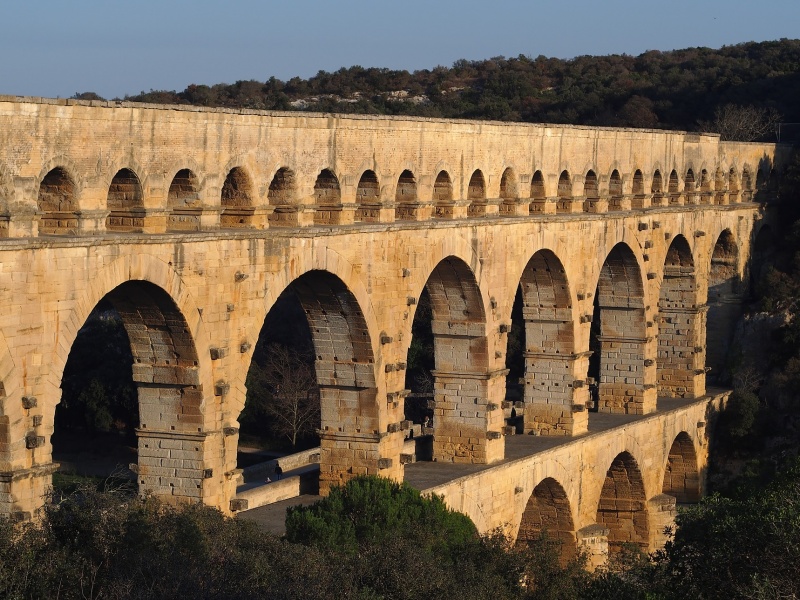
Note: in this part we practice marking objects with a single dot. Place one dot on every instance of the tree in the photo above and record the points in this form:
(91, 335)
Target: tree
(743, 123)
(289, 395)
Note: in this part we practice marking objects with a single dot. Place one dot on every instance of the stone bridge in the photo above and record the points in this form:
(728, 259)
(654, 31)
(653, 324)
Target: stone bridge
(619, 245)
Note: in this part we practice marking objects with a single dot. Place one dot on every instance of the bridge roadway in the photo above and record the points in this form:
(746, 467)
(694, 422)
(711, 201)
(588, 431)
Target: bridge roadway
(606, 500)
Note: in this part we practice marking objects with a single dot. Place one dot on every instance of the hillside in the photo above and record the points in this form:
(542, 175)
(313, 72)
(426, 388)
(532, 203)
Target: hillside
(681, 89)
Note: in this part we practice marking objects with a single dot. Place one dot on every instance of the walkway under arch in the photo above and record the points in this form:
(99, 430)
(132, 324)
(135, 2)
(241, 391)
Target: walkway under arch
(548, 512)
(623, 505)
(682, 476)
(724, 303)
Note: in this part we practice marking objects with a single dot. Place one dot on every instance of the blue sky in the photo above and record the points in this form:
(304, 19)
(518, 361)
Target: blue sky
(60, 47)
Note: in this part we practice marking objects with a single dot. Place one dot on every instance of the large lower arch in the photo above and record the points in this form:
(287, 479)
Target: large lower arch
(166, 374)
(622, 365)
(622, 507)
(350, 439)
(681, 475)
(551, 365)
(466, 426)
(681, 355)
(724, 303)
(548, 512)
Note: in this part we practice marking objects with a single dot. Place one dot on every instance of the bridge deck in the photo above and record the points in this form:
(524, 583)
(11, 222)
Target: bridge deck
(425, 475)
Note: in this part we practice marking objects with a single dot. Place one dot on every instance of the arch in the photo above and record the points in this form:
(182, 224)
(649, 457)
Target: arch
(344, 364)
(508, 185)
(638, 182)
(615, 200)
(443, 196)
(682, 475)
(720, 193)
(657, 189)
(733, 185)
(461, 378)
(747, 185)
(125, 201)
(724, 302)
(591, 189)
(564, 202)
(368, 198)
(476, 194)
(673, 188)
(538, 188)
(237, 199)
(282, 198)
(183, 202)
(622, 507)
(167, 375)
(548, 512)
(549, 347)
(705, 181)
(508, 192)
(618, 337)
(57, 203)
(680, 357)
(406, 198)
(327, 199)
(690, 187)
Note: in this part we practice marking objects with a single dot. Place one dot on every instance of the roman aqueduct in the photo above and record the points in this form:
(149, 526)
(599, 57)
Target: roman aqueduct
(192, 222)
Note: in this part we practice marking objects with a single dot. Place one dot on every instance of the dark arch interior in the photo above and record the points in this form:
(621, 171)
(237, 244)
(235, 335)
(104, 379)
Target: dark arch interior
(657, 187)
(281, 196)
(681, 476)
(622, 507)
(184, 202)
(57, 203)
(724, 305)
(548, 513)
(537, 186)
(590, 189)
(508, 185)
(476, 194)
(133, 365)
(126, 202)
(564, 192)
(237, 199)
(327, 198)
(368, 195)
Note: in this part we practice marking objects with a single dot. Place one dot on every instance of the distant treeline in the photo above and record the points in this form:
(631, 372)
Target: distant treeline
(681, 89)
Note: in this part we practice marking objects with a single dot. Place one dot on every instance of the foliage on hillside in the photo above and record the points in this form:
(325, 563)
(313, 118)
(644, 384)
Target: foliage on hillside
(682, 89)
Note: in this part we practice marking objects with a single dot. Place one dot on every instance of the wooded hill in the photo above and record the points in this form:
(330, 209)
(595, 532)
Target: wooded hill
(681, 89)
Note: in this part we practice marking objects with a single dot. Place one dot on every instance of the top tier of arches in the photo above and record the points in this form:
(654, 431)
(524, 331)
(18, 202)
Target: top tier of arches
(191, 204)
(149, 170)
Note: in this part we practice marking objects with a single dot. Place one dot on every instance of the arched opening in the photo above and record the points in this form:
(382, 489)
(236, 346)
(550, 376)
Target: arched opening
(548, 513)
(733, 186)
(538, 193)
(237, 199)
(405, 198)
(183, 201)
(615, 201)
(476, 194)
(724, 304)
(690, 187)
(564, 202)
(621, 380)
(132, 373)
(508, 192)
(622, 507)
(466, 427)
(657, 189)
(747, 186)
(57, 204)
(443, 196)
(327, 199)
(681, 476)
(591, 192)
(313, 371)
(282, 199)
(638, 200)
(551, 366)
(673, 188)
(368, 198)
(125, 201)
(720, 193)
(681, 359)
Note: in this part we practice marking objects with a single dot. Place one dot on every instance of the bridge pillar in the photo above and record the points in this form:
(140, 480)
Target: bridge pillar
(682, 352)
(544, 206)
(662, 511)
(593, 539)
(555, 394)
(468, 416)
(627, 375)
